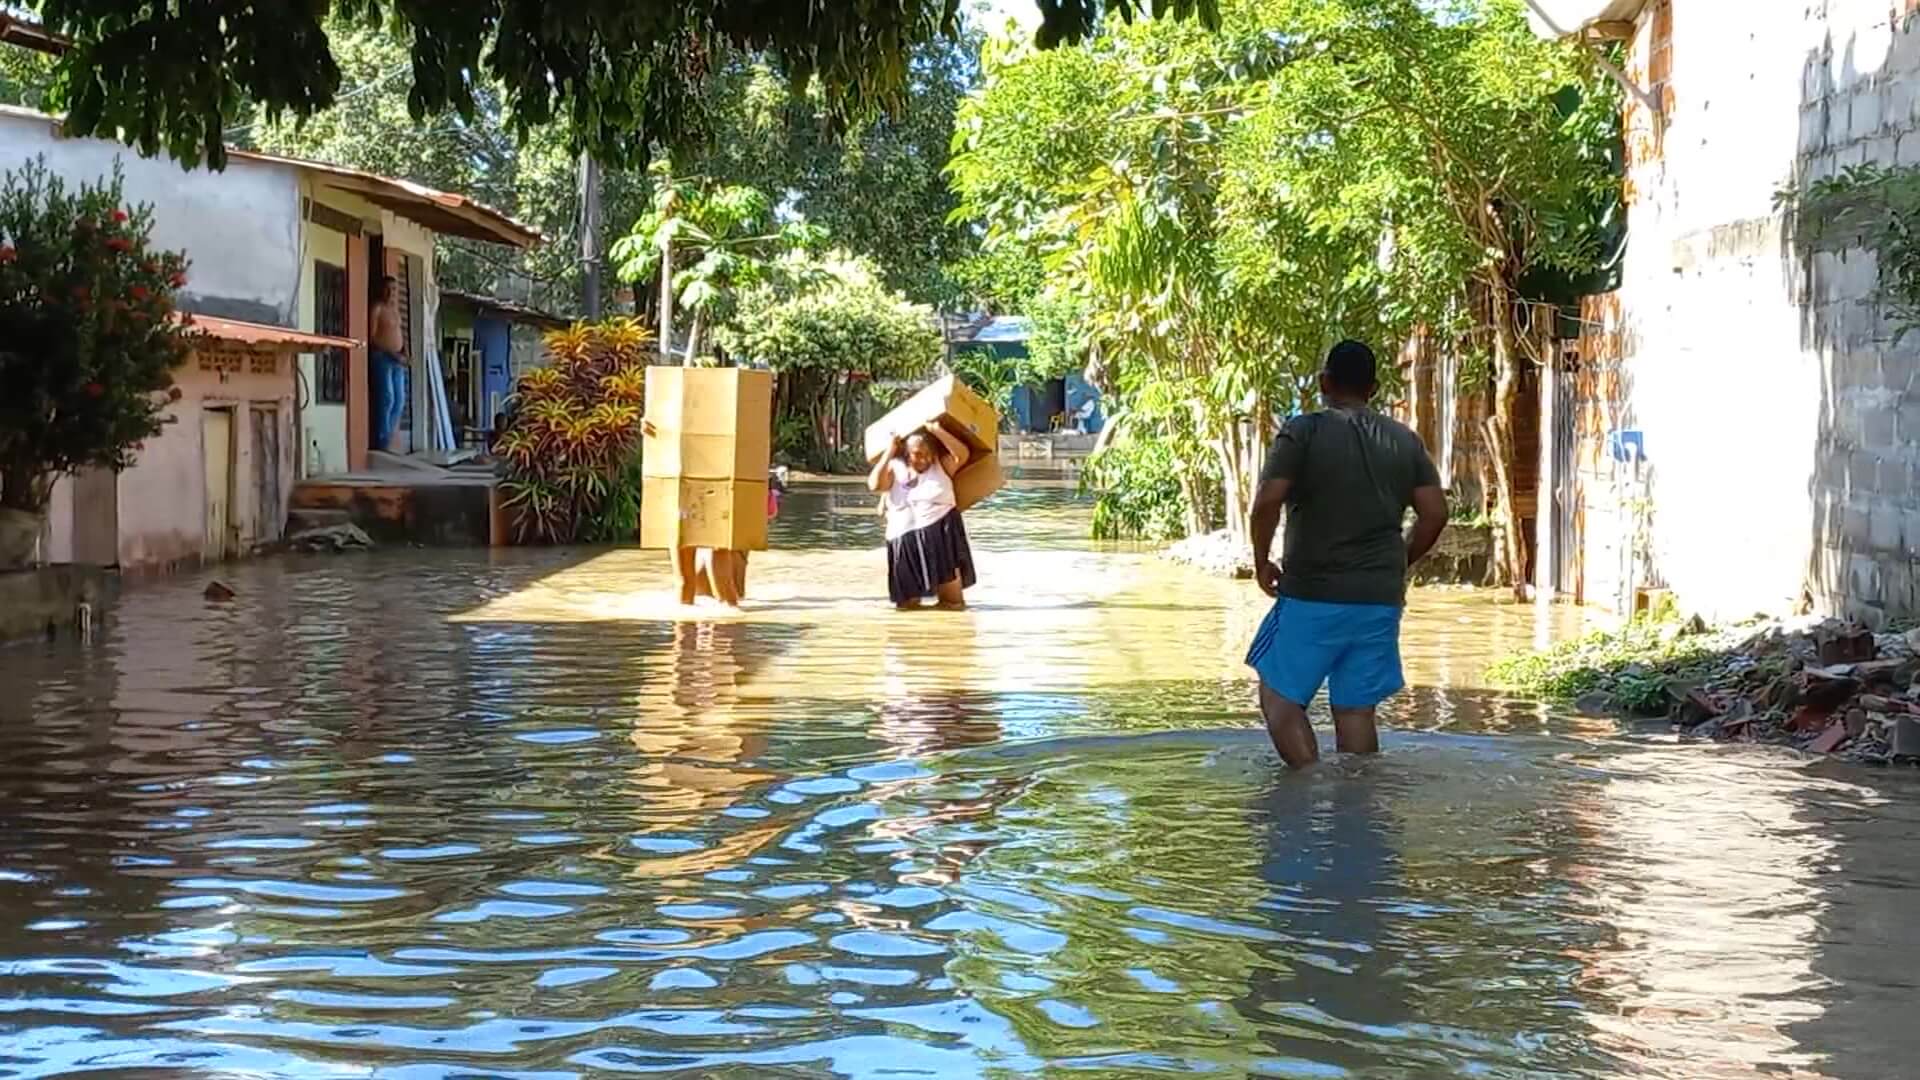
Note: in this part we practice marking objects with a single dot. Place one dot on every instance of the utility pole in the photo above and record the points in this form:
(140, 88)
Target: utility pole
(590, 232)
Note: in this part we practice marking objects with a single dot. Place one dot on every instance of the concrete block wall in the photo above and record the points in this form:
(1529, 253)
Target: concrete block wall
(1782, 423)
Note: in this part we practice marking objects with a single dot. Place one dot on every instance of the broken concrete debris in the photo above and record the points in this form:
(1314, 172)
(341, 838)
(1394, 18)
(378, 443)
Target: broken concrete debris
(1832, 687)
(334, 538)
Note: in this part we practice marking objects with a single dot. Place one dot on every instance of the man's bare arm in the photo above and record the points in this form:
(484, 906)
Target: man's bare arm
(1429, 520)
(1267, 504)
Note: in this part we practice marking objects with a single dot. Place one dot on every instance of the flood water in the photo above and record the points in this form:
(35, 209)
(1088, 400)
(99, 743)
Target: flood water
(430, 814)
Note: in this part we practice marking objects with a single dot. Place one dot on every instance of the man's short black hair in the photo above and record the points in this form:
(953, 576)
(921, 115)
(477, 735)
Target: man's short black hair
(1350, 366)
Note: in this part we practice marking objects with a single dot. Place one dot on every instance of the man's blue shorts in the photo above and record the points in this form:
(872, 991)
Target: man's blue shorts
(1353, 648)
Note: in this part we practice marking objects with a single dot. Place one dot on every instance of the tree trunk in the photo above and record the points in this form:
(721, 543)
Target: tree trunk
(1238, 481)
(824, 414)
(1196, 504)
(1499, 430)
(693, 338)
(666, 300)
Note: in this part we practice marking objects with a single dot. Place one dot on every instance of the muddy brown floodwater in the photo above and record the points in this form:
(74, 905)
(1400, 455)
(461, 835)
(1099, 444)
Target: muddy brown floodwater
(432, 814)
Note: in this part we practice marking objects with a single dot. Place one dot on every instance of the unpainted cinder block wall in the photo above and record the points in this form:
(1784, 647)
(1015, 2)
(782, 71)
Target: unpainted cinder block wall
(1781, 420)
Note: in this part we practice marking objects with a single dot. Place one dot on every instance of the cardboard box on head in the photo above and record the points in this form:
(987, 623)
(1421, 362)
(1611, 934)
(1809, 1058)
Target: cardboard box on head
(704, 468)
(965, 415)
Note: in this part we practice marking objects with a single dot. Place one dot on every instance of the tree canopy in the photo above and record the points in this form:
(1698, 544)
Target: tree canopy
(622, 76)
(1218, 207)
(877, 184)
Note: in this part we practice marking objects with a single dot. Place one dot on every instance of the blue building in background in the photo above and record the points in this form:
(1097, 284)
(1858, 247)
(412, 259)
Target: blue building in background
(485, 344)
(1069, 404)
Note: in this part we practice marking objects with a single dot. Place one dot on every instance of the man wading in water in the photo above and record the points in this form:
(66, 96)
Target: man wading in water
(1346, 476)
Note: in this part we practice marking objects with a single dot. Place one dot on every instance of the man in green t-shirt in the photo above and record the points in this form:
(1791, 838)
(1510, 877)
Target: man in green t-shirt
(1345, 476)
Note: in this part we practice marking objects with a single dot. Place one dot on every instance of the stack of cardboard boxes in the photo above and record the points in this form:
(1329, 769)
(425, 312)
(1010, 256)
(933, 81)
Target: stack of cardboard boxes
(965, 415)
(704, 467)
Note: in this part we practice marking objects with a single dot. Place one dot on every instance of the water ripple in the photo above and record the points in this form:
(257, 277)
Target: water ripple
(440, 814)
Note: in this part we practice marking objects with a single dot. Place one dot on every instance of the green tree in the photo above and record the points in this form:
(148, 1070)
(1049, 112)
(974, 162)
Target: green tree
(1507, 143)
(536, 179)
(1207, 272)
(26, 77)
(174, 77)
(877, 185)
(829, 329)
(1316, 169)
(88, 336)
(706, 244)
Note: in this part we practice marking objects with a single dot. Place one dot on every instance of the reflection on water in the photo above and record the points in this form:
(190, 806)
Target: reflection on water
(435, 814)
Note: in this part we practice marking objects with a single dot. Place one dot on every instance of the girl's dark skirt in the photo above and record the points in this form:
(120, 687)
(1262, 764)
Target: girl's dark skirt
(921, 561)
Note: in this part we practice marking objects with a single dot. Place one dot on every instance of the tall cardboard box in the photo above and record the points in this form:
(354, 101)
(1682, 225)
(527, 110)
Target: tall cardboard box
(965, 415)
(711, 423)
(704, 469)
(678, 512)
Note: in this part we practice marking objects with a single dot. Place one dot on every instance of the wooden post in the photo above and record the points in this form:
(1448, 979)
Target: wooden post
(359, 402)
(590, 232)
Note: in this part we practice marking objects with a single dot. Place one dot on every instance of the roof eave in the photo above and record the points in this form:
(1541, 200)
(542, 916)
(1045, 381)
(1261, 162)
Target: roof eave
(29, 35)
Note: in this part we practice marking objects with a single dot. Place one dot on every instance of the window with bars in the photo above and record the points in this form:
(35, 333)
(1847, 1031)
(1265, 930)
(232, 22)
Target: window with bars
(330, 317)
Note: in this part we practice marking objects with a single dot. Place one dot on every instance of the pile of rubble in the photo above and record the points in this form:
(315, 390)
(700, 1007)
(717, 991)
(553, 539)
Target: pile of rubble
(330, 538)
(1215, 553)
(1832, 687)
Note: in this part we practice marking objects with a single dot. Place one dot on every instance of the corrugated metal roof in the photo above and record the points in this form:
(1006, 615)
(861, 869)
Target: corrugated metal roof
(441, 211)
(250, 333)
(509, 307)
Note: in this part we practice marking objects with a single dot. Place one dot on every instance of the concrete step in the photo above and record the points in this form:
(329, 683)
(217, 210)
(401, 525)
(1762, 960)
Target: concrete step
(299, 519)
(443, 510)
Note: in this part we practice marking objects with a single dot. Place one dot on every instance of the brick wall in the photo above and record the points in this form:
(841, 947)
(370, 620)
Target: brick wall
(1446, 417)
(1782, 426)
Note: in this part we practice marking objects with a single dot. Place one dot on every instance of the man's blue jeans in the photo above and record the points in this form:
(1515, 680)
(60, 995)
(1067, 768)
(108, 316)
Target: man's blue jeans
(389, 396)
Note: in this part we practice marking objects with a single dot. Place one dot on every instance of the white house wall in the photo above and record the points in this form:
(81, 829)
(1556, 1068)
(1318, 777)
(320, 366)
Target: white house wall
(323, 427)
(1781, 422)
(240, 228)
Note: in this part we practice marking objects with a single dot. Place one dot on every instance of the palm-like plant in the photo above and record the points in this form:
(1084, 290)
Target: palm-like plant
(576, 429)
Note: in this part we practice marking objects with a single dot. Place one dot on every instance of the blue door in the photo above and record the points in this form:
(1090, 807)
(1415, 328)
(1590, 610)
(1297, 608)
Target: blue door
(492, 339)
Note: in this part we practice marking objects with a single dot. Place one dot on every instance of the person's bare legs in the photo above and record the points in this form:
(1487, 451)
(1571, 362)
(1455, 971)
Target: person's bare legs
(952, 596)
(740, 574)
(686, 574)
(1287, 726)
(721, 578)
(1355, 732)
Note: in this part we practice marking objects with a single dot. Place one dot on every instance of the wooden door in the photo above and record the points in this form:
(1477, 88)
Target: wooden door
(216, 451)
(269, 509)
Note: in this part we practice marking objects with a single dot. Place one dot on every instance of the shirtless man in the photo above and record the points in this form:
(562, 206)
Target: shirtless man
(387, 365)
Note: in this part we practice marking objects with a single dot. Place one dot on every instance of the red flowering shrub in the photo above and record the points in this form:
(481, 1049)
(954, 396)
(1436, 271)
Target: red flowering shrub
(88, 338)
